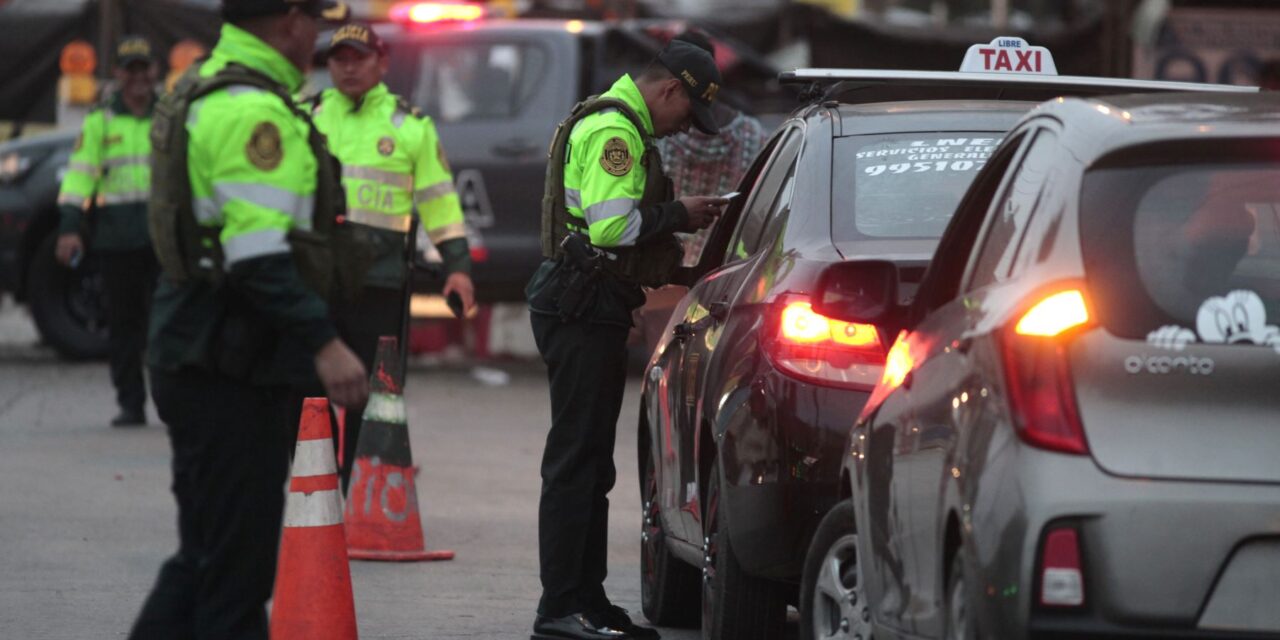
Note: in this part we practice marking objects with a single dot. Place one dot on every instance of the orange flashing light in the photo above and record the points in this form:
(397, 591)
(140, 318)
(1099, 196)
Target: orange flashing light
(77, 58)
(802, 325)
(432, 12)
(1053, 315)
(897, 365)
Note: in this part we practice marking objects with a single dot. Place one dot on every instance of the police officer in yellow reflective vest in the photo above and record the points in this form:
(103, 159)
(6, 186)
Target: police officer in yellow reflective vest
(608, 218)
(228, 341)
(392, 164)
(111, 167)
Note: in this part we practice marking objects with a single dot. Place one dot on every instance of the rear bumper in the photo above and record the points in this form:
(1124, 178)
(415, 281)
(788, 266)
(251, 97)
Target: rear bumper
(1153, 551)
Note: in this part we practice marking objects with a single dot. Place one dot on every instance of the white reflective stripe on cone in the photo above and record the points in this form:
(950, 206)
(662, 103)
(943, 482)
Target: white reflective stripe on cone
(316, 509)
(385, 407)
(314, 458)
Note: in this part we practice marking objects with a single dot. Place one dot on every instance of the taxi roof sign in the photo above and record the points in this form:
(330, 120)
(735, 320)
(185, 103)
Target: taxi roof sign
(1008, 54)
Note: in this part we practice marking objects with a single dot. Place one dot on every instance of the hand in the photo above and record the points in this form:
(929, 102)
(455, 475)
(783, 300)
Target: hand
(703, 211)
(68, 245)
(460, 283)
(343, 376)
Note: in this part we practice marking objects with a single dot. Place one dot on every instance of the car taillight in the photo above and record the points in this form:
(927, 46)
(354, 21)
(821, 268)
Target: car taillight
(1061, 574)
(1038, 376)
(432, 12)
(824, 350)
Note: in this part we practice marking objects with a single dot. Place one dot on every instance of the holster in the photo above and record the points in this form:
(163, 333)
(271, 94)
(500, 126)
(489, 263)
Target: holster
(582, 266)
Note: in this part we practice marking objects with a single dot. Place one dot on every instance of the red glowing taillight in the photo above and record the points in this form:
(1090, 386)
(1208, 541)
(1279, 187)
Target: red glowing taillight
(1061, 572)
(1041, 393)
(815, 348)
(432, 12)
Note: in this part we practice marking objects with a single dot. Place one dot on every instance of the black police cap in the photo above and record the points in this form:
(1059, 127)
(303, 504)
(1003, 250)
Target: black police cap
(329, 10)
(696, 69)
(359, 36)
(133, 49)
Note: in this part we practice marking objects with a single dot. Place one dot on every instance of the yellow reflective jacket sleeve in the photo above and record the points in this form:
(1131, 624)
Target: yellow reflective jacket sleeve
(611, 185)
(84, 173)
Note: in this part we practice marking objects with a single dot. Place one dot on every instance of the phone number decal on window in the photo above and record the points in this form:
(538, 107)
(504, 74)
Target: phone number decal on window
(924, 167)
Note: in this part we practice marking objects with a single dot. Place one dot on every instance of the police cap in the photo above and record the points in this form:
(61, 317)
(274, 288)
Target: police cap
(696, 69)
(358, 36)
(133, 49)
(328, 10)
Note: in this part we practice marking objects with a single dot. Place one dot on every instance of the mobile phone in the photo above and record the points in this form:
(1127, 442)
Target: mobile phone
(455, 304)
(731, 195)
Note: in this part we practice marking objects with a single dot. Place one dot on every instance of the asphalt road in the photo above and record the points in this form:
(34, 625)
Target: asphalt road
(86, 516)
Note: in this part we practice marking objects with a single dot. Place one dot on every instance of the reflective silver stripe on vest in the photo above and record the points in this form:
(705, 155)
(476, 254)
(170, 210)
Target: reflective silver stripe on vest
(380, 220)
(82, 167)
(206, 210)
(124, 197)
(447, 232)
(573, 198)
(121, 161)
(299, 207)
(254, 244)
(429, 193)
(75, 200)
(609, 209)
(389, 178)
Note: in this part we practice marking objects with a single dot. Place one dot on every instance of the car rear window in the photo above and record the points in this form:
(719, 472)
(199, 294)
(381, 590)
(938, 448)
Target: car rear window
(903, 185)
(1185, 253)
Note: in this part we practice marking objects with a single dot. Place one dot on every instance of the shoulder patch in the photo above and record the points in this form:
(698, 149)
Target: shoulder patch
(386, 145)
(616, 158)
(264, 149)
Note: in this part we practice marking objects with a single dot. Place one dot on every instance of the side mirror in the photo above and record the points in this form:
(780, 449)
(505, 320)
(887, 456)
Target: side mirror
(863, 291)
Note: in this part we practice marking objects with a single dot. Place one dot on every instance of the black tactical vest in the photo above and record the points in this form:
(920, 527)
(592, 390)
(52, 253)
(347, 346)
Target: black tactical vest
(652, 264)
(332, 257)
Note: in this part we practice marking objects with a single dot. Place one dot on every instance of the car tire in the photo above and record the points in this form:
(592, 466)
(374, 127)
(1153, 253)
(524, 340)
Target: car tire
(958, 617)
(735, 605)
(833, 602)
(68, 305)
(669, 588)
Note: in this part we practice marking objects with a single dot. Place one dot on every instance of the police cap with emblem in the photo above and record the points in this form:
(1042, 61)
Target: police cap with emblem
(328, 10)
(358, 36)
(696, 69)
(133, 49)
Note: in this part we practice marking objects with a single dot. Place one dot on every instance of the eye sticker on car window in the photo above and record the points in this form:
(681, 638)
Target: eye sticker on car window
(1240, 317)
(930, 155)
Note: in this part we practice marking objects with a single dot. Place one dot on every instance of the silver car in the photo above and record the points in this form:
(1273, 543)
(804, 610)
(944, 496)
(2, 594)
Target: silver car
(1078, 430)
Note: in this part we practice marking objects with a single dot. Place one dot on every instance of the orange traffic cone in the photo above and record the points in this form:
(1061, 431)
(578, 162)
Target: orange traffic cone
(382, 502)
(313, 598)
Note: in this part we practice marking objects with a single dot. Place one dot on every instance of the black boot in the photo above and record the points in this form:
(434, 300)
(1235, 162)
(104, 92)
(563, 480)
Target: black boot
(616, 617)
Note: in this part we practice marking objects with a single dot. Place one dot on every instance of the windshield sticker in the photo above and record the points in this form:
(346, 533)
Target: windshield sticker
(924, 156)
(1240, 317)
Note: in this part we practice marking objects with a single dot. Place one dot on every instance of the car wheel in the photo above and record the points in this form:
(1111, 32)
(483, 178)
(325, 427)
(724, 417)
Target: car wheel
(833, 600)
(668, 587)
(735, 605)
(959, 619)
(68, 305)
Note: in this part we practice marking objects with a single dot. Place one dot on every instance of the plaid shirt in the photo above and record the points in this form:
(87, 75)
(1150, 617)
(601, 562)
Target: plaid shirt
(699, 164)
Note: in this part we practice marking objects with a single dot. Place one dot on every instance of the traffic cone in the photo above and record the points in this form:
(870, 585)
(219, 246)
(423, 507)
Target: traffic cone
(313, 598)
(382, 500)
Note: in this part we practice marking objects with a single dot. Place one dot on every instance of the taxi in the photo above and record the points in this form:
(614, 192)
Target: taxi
(747, 400)
(1075, 434)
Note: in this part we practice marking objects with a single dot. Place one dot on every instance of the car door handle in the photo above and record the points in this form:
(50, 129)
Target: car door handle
(515, 147)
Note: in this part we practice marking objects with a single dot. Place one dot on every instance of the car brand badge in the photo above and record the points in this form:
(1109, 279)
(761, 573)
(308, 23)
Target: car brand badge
(264, 149)
(617, 158)
(386, 145)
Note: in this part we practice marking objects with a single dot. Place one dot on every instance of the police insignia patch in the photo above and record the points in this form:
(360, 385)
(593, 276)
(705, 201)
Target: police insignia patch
(386, 145)
(616, 158)
(264, 149)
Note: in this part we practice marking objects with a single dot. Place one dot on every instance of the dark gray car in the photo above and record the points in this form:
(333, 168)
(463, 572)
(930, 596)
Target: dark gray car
(1078, 432)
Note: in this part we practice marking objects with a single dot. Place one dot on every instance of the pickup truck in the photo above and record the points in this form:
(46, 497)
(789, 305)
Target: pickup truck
(496, 90)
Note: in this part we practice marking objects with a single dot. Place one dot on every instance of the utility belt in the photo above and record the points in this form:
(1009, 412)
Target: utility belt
(583, 266)
(650, 265)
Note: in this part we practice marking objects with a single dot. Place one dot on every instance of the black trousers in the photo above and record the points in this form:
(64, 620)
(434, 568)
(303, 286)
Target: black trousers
(586, 366)
(230, 462)
(129, 278)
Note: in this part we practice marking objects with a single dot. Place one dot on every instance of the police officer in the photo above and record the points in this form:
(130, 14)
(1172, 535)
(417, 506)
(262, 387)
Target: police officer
(223, 349)
(392, 164)
(608, 220)
(111, 164)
